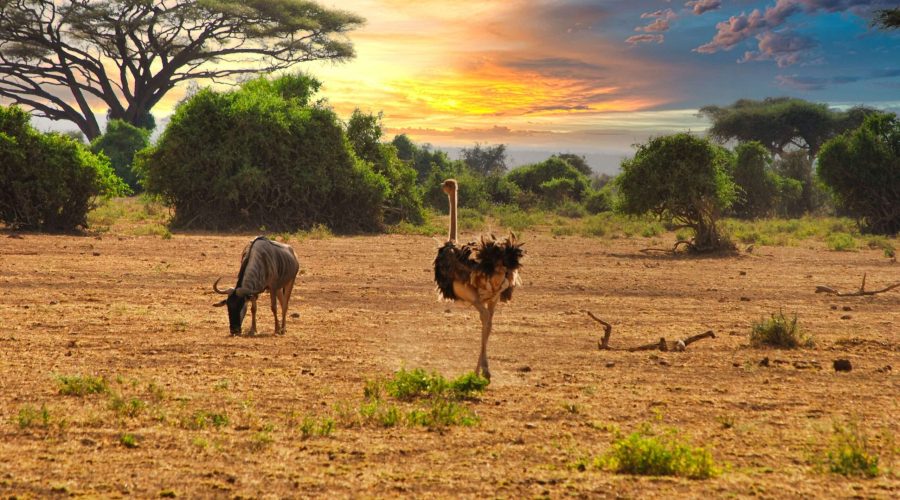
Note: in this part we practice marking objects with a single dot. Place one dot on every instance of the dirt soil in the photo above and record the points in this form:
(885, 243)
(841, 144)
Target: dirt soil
(137, 311)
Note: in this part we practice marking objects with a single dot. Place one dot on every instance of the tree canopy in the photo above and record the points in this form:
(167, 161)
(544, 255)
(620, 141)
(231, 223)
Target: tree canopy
(61, 57)
(888, 18)
(782, 123)
(485, 160)
(682, 178)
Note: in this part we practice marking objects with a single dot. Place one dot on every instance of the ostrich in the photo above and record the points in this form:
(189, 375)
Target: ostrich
(481, 273)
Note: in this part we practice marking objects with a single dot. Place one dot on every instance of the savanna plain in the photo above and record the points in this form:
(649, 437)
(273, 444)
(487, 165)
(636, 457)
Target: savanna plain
(119, 378)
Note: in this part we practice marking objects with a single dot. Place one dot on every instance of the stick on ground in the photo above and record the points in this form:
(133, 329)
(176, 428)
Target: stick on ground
(859, 293)
(660, 345)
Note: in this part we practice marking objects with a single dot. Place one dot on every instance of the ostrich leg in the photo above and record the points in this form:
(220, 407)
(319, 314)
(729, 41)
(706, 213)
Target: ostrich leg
(487, 320)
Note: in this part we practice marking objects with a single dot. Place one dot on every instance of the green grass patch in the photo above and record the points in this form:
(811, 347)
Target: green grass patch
(78, 385)
(646, 453)
(850, 453)
(29, 416)
(317, 232)
(781, 332)
(126, 407)
(416, 384)
(128, 440)
(884, 244)
(842, 242)
(311, 426)
(201, 419)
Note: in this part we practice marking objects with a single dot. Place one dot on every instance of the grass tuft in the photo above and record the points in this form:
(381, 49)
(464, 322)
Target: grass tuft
(645, 454)
(29, 416)
(77, 385)
(780, 332)
(849, 453)
(128, 440)
(841, 242)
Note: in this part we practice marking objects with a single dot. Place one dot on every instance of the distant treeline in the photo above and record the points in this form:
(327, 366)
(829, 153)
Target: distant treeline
(268, 155)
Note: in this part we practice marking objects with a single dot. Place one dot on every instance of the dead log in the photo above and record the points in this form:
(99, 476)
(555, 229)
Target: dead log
(859, 293)
(673, 250)
(660, 345)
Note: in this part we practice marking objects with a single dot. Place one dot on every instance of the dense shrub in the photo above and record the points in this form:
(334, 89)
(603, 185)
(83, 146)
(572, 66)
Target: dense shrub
(48, 181)
(120, 142)
(862, 169)
(597, 201)
(262, 156)
(803, 195)
(404, 201)
(684, 179)
(552, 180)
(760, 188)
(473, 192)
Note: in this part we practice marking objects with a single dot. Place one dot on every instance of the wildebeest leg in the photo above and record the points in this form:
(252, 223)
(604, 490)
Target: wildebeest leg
(252, 316)
(284, 303)
(274, 296)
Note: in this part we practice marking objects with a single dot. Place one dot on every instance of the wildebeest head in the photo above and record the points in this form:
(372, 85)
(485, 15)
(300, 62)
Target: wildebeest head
(237, 306)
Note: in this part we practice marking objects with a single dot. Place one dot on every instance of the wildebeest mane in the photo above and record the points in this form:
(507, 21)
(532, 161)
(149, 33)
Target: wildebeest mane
(240, 280)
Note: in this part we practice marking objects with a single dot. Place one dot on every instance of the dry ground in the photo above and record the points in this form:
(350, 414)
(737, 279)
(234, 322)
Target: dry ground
(137, 311)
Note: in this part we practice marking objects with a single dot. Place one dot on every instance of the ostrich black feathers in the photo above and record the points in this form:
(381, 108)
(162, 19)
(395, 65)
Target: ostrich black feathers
(457, 263)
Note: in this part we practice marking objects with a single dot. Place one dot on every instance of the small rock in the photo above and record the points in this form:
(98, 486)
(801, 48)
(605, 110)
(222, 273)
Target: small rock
(743, 273)
(842, 365)
(54, 302)
(295, 315)
(610, 364)
(833, 307)
(764, 361)
(664, 362)
(745, 299)
(529, 425)
(68, 353)
(72, 343)
(524, 369)
(884, 369)
(96, 254)
(88, 442)
(847, 308)
(846, 316)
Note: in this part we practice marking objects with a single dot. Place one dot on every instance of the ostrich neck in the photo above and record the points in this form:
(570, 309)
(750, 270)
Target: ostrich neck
(453, 233)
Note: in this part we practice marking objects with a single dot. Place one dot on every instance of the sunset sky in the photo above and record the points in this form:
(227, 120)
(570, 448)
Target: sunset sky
(601, 75)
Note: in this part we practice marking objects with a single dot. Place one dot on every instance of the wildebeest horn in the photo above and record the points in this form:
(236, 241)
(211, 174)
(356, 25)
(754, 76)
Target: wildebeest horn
(216, 288)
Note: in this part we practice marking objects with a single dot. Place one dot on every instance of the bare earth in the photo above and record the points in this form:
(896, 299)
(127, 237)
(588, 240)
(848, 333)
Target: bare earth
(137, 310)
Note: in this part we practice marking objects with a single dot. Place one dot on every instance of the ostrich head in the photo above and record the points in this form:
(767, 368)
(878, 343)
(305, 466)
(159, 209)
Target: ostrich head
(449, 186)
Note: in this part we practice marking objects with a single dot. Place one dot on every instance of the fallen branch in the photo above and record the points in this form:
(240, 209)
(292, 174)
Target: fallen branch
(859, 293)
(607, 331)
(661, 345)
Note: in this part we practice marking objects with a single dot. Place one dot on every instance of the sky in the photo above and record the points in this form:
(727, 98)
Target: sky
(600, 76)
(596, 77)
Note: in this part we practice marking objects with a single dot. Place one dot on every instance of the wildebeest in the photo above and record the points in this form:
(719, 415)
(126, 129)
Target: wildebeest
(265, 265)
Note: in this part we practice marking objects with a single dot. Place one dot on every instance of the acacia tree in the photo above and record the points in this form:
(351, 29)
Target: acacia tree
(485, 160)
(782, 123)
(61, 57)
(684, 179)
(888, 18)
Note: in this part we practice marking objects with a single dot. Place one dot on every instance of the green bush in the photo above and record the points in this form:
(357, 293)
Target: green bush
(862, 169)
(120, 142)
(77, 385)
(48, 181)
(684, 179)
(552, 180)
(404, 201)
(779, 331)
(849, 453)
(642, 453)
(597, 201)
(261, 156)
(841, 242)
